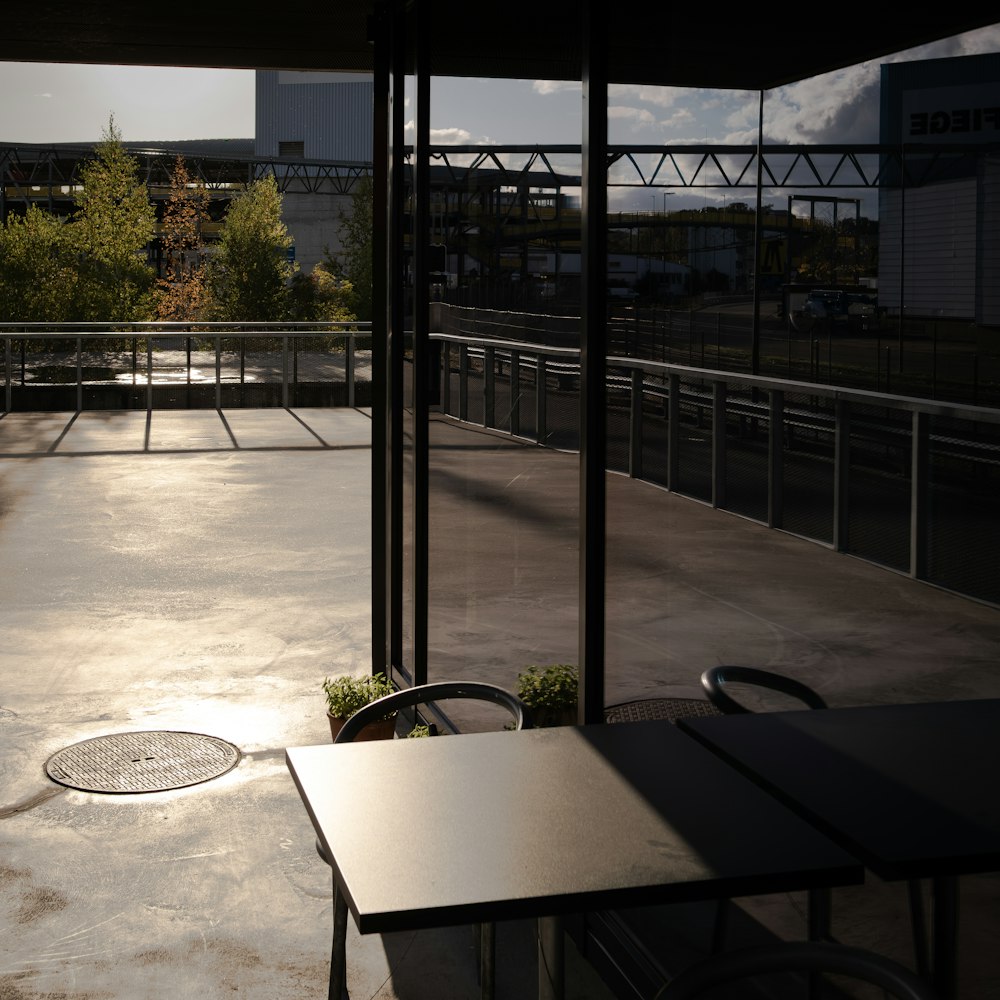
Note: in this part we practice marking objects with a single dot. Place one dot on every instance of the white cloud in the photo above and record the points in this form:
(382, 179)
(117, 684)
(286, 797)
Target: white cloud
(638, 116)
(554, 86)
(446, 136)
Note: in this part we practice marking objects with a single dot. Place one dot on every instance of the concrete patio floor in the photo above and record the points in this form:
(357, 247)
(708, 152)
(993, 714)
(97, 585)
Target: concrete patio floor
(203, 571)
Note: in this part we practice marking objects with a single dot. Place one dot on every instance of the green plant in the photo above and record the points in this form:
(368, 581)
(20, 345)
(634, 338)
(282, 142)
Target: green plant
(553, 686)
(418, 732)
(346, 694)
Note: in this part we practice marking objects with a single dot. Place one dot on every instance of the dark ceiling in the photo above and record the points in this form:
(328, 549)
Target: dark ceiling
(666, 45)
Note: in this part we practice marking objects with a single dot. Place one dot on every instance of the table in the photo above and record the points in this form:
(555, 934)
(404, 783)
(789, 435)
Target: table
(544, 822)
(909, 790)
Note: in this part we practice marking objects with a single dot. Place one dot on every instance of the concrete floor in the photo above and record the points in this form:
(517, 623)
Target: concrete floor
(203, 572)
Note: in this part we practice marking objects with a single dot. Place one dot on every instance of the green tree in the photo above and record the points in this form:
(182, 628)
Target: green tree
(37, 269)
(321, 295)
(112, 228)
(354, 262)
(249, 273)
(182, 287)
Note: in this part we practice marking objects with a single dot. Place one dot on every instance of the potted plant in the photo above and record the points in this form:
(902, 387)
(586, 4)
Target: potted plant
(551, 693)
(347, 693)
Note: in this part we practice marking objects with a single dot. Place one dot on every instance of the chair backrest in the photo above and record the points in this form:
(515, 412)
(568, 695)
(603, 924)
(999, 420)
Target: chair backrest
(424, 694)
(801, 957)
(715, 679)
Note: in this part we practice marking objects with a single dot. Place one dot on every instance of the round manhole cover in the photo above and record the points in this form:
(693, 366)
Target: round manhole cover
(142, 762)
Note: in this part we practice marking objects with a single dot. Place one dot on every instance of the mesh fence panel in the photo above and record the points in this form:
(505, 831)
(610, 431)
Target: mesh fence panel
(878, 491)
(747, 427)
(618, 420)
(694, 440)
(964, 532)
(655, 437)
(808, 454)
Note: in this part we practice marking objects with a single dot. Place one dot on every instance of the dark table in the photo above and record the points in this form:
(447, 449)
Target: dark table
(545, 822)
(909, 790)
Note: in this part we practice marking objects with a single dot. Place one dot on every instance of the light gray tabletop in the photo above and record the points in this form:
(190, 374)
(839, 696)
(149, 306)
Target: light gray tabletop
(490, 826)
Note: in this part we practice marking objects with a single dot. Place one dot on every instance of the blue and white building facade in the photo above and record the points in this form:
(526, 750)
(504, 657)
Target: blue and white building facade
(313, 117)
(939, 243)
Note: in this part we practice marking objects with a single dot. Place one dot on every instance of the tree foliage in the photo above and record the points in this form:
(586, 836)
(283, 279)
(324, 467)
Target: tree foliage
(112, 228)
(182, 288)
(249, 273)
(321, 295)
(354, 262)
(37, 269)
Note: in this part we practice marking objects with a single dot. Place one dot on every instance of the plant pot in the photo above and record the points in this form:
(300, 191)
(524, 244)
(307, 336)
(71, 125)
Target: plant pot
(381, 729)
(545, 717)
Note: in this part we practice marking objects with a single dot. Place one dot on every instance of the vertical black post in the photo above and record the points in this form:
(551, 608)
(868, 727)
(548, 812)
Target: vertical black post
(420, 243)
(757, 238)
(396, 332)
(593, 339)
(378, 35)
(920, 495)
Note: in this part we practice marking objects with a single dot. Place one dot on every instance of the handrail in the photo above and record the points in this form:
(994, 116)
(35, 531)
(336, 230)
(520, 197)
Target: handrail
(870, 397)
(840, 418)
(289, 333)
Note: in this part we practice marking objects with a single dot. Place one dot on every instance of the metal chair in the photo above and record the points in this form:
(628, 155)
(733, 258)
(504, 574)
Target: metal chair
(715, 680)
(812, 957)
(424, 694)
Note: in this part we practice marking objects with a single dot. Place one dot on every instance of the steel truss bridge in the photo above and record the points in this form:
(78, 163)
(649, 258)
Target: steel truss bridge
(495, 194)
(41, 168)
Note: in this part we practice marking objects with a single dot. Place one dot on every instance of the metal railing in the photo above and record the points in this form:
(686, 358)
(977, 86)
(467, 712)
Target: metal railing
(148, 365)
(904, 482)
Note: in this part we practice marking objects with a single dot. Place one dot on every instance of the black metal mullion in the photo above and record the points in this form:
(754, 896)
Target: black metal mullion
(381, 540)
(420, 241)
(593, 352)
(396, 332)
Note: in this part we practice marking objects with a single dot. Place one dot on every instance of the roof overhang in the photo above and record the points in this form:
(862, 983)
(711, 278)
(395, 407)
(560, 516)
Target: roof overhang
(668, 45)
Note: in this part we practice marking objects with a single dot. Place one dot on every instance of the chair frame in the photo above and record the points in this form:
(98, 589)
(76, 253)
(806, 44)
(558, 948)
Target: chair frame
(715, 679)
(813, 957)
(423, 694)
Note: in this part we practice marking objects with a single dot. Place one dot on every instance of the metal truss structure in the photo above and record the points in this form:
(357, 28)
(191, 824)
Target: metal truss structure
(48, 175)
(716, 166)
(555, 167)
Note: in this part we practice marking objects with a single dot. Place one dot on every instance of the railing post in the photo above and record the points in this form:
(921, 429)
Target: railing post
(841, 469)
(635, 426)
(776, 459)
(446, 369)
(463, 382)
(8, 363)
(284, 371)
(218, 373)
(541, 398)
(719, 444)
(919, 494)
(673, 430)
(489, 386)
(79, 374)
(349, 367)
(515, 393)
(149, 373)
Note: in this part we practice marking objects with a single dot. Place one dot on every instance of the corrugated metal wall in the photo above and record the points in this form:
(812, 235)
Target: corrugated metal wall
(988, 310)
(938, 246)
(332, 115)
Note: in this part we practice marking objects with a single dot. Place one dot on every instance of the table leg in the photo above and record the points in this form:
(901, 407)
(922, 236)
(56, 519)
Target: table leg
(551, 958)
(945, 960)
(338, 954)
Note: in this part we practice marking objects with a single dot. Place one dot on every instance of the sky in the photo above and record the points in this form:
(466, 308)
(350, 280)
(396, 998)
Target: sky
(72, 103)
